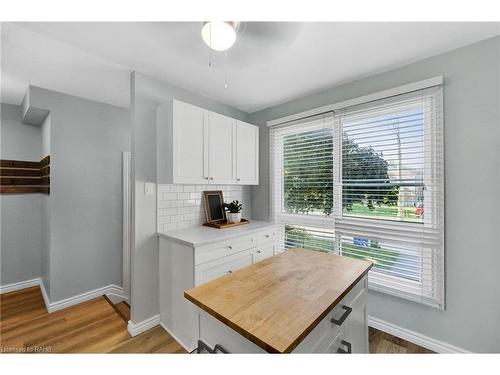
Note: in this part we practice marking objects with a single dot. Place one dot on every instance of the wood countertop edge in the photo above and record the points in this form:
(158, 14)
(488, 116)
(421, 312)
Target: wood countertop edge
(232, 325)
(248, 335)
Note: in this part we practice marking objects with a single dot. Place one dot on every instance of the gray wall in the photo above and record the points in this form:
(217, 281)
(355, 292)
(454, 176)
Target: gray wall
(472, 175)
(146, 94)
(87, 139)
(45, 214)
(20, 213)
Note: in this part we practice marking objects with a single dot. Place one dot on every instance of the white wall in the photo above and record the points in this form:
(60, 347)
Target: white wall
(472, 201)
(20, 213)
(87, 139)
(146, 94)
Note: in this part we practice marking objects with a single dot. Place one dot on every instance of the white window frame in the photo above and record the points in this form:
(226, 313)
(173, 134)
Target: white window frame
(378, 281)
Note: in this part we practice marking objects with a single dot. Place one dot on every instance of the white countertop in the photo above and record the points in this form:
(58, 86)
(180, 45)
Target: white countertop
(203, 235)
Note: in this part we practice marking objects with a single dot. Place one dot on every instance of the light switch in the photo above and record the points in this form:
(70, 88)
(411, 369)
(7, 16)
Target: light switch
(149, 188)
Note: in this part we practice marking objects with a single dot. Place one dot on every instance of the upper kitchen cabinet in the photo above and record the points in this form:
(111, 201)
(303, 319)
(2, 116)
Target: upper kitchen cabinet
(197, 146)
(182, 147)
(221, 148)
(247, 154)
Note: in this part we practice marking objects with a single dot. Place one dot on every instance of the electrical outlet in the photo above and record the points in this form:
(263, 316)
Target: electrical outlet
(149, 188)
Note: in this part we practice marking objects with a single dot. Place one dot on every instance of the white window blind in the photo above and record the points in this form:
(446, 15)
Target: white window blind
(368, 183)
(302, 170)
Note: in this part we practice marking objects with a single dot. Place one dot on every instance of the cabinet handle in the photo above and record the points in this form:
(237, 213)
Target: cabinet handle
(258, 251)
(230, 247)
(206, 178)
(229, 271)
(267, 235)
(238, 179)
(211, 178)
(344, 316)
(348, 345)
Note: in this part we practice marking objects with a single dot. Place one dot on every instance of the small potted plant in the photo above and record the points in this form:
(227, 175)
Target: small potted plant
(233, 211)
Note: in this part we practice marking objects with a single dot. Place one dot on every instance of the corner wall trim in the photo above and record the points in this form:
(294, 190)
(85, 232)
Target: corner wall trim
(135, 328)
(414, 337)
(44, 294)
(20, 285)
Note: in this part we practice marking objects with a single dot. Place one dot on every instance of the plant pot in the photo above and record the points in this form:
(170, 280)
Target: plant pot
(233, 218)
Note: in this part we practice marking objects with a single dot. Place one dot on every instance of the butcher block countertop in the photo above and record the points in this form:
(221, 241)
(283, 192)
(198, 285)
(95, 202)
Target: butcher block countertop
(275, 303)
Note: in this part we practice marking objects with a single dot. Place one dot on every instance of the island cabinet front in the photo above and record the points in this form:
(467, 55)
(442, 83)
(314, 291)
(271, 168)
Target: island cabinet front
(343, 330)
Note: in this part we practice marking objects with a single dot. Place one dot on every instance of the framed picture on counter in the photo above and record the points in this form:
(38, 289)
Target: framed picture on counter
(214, 207)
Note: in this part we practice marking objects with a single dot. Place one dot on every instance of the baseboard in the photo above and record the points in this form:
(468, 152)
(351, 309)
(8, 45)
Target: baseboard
(20, 285)
(62, 304)
(189, 350)
(116, 294)
(114, 291)
(135, 328)
(414, 337)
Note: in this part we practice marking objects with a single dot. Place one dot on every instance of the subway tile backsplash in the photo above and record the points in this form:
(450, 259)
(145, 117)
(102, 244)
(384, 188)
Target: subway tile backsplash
(181, 206)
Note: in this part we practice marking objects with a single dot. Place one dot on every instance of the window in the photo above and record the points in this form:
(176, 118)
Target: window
(367, 182)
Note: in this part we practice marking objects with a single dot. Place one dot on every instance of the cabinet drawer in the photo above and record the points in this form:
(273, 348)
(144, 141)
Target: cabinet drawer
(222, 249)
(336, 344)
(262, 252)
(209, 271)
(268, 235)
(318, 340)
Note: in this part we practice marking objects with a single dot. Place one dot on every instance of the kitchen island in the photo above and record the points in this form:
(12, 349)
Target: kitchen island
(300, 301)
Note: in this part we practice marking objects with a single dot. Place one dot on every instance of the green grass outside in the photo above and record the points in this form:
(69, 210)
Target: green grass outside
(382, 258)
(382, 211)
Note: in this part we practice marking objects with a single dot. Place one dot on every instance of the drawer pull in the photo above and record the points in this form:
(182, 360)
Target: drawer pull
(230, 247)
(348, 345)
(344, 316)
(267, 235)
(258, 251)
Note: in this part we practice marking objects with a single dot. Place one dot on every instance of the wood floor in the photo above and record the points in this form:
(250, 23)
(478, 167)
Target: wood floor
(381, 342)
(97, 326)
(94, 326)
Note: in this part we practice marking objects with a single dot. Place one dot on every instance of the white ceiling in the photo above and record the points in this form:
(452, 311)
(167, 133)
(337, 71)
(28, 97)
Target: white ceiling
(270, 63)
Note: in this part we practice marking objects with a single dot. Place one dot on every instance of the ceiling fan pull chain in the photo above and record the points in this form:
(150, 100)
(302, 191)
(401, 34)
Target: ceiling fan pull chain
(225, 73)
(210, 50)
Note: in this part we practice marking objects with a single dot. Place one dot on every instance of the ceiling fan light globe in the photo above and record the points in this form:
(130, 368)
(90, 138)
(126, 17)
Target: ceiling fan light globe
(219, 36)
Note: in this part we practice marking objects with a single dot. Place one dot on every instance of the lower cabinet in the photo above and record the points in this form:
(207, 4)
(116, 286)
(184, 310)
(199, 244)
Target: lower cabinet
(183, 266)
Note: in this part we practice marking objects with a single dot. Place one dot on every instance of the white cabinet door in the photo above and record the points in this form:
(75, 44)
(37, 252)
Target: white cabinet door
(217, 268)
(221, 149)
(189, 144)
(247, 154)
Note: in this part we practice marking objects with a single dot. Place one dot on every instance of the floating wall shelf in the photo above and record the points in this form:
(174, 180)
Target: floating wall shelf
(21, 177)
